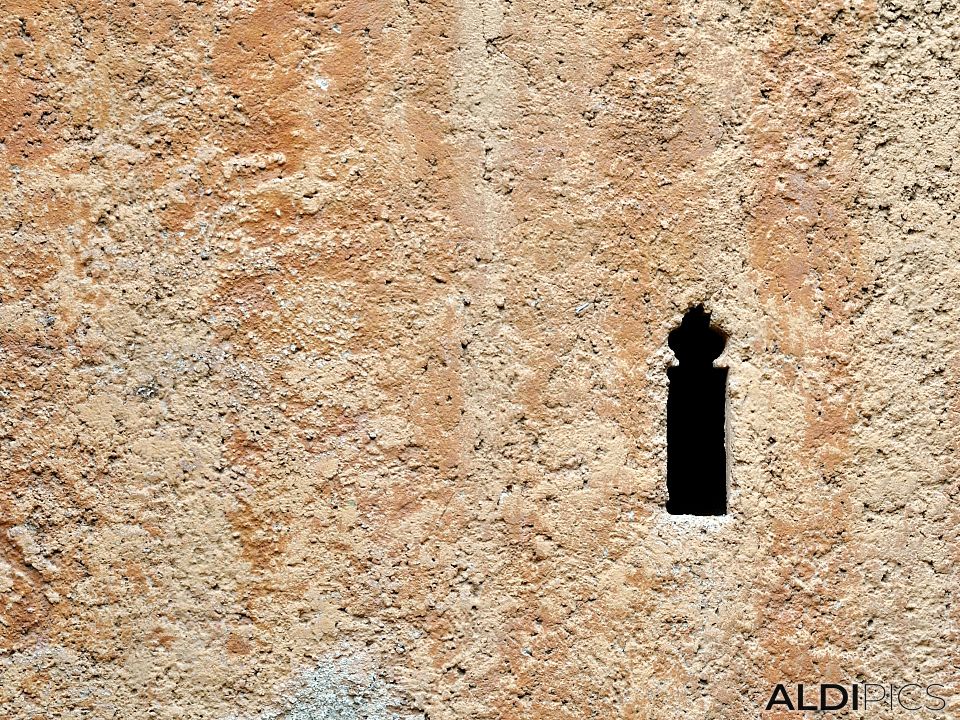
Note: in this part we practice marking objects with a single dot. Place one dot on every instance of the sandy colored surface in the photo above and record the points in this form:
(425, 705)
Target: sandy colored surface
(333, 349)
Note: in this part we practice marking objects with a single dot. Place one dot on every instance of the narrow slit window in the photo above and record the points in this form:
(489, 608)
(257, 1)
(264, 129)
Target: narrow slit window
(696, 453)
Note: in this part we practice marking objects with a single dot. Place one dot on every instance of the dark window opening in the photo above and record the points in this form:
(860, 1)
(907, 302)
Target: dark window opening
(696, 456)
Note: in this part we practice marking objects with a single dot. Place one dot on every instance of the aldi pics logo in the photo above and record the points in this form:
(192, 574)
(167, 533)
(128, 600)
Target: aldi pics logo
(856, 696)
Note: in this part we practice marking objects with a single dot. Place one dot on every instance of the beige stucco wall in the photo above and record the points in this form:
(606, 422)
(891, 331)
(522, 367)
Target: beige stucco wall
(333, 355)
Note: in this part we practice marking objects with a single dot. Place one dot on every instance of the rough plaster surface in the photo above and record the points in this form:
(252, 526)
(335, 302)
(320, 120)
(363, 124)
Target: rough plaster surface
(333, 355)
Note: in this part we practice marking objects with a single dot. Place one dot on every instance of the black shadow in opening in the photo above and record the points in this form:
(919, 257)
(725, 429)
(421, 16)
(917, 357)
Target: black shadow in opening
(696, 456)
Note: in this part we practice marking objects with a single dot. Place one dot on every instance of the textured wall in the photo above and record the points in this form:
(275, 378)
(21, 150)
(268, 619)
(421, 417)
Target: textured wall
(333, 349)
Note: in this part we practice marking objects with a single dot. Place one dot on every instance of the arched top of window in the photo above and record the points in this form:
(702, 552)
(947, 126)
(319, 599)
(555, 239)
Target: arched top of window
(695, 342)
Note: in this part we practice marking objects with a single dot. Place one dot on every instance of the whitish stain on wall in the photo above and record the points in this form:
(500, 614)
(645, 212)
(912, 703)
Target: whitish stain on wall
(339, 688)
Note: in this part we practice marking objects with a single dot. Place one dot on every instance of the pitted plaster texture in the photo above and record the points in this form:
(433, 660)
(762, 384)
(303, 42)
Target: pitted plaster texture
(333, 350)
